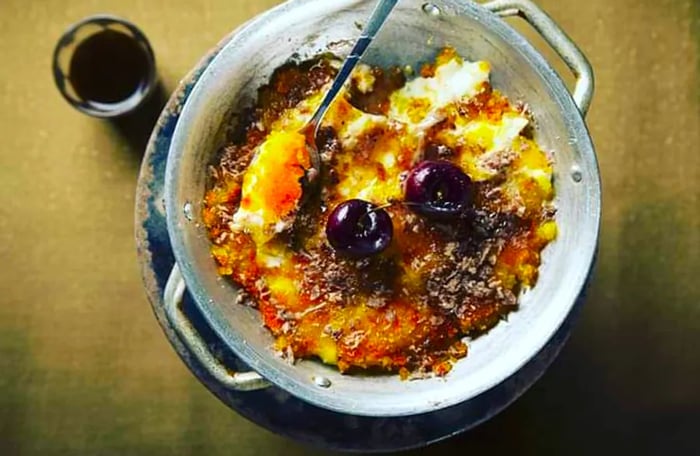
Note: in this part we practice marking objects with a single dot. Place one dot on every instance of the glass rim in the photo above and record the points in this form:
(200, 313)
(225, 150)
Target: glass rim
(105, 110)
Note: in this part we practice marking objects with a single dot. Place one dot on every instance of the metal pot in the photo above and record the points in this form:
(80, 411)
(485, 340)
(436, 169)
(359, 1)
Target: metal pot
(413, 35)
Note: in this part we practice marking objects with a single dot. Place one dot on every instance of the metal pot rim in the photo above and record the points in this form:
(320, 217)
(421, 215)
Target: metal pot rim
(267, 367)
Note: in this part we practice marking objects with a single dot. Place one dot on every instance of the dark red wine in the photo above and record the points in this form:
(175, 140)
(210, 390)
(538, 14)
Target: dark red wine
(109, 67)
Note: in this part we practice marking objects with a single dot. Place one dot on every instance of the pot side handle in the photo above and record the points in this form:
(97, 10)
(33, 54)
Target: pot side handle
(557, 39)
(172, 297)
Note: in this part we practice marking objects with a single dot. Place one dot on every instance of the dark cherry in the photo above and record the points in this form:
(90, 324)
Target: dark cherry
(438, 189)
(358, 228)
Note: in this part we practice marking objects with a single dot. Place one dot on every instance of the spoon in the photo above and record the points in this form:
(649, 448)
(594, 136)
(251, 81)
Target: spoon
(376, 20)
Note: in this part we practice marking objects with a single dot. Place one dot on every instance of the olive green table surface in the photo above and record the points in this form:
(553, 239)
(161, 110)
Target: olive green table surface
(85, 368)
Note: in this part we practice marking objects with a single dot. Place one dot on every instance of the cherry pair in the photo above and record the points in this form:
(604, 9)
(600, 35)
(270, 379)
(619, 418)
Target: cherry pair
(436, 189)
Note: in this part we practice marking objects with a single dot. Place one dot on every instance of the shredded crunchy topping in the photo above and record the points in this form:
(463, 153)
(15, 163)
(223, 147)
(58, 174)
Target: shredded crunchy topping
(408, 309)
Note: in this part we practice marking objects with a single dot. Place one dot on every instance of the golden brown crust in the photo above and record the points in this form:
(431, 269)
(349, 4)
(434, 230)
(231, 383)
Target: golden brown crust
(406, 309)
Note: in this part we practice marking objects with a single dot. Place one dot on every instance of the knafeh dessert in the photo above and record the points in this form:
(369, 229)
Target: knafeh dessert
(422, 227)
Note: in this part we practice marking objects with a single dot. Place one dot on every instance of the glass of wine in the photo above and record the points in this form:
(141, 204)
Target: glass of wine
(104, 66)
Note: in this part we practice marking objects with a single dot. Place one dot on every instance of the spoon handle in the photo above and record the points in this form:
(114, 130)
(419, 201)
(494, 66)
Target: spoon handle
(375, 22)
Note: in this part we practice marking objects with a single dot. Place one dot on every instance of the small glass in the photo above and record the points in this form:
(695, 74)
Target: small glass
(104, 66)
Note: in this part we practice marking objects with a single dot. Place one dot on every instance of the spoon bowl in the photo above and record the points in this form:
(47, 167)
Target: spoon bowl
(310, 130)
